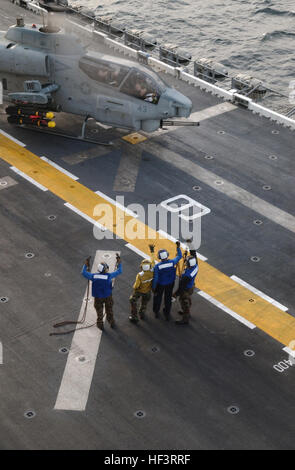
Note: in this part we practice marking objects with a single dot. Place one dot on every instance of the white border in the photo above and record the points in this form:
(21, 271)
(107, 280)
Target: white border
(258, 292)
(28, 178)
(227, 310)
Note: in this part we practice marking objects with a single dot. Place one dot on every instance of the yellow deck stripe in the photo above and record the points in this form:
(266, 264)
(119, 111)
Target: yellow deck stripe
(270, 319)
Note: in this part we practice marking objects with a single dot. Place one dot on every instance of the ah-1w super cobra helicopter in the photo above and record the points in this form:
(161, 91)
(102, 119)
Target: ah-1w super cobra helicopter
(44, 70)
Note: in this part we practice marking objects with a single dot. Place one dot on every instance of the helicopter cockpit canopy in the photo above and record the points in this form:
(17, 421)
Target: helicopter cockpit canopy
(143, 86)
(102, 71)
(130, 80)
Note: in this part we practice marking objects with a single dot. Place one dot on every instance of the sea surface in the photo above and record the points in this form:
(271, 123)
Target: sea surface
(256, 36)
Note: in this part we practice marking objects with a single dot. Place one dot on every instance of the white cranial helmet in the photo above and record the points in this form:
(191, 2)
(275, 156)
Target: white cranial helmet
(146, 267)
(163, 254)
(102, 267)
(192, 261)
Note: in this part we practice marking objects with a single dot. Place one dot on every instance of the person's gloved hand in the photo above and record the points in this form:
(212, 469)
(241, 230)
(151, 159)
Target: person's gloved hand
(178, 244)
(118, 258)
(87, 262)
(152, 248)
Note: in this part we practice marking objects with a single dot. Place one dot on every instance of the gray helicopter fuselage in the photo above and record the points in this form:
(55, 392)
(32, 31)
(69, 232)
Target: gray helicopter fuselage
(111, 90)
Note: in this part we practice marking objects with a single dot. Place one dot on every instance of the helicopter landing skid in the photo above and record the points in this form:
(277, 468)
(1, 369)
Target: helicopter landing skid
(66, 136)
(81, 137)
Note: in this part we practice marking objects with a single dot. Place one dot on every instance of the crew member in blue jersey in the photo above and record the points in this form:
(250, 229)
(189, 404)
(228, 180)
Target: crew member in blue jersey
(102, 287)
(163, 282)
(186, 289)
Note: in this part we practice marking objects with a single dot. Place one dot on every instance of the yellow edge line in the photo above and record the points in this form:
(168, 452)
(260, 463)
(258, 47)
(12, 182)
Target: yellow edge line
(273, 321)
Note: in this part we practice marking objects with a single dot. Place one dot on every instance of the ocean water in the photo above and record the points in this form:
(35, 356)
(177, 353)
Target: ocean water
(256, 36)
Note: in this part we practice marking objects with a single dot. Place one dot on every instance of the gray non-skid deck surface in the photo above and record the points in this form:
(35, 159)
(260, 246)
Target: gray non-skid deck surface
(199, 371)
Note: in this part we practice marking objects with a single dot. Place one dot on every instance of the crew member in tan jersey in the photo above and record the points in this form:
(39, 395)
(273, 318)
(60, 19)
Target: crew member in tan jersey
(142, 287)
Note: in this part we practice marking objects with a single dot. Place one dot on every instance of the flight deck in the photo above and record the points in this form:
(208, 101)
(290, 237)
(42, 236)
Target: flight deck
(226, 380)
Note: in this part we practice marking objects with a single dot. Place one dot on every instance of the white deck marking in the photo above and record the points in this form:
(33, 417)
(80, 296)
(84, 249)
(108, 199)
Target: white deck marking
(7, 182)
(117, 204)
(28, 178)
(198, 116)
(212, 111)
(137, 251)
(126, 177)
(18, 142)
(226, 310)
(86, 217)
(289, 351)
(191, 203)
(70, 175)
(261, 294)
(236, 193)
(77, 378)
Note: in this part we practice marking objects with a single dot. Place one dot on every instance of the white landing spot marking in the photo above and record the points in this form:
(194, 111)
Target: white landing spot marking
(227, 310)
(191, 203)
(77, 378)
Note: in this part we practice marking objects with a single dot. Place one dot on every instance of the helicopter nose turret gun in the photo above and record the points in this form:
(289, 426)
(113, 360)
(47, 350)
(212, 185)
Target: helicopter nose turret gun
(178, 123)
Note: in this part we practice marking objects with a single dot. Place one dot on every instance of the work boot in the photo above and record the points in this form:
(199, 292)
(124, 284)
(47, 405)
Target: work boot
(142, 315)
(185, 317)
(181, 322)
(166, 315)
(113, 324)
(100, 326)
(133, 316)
(133, 319)
(182, 313)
